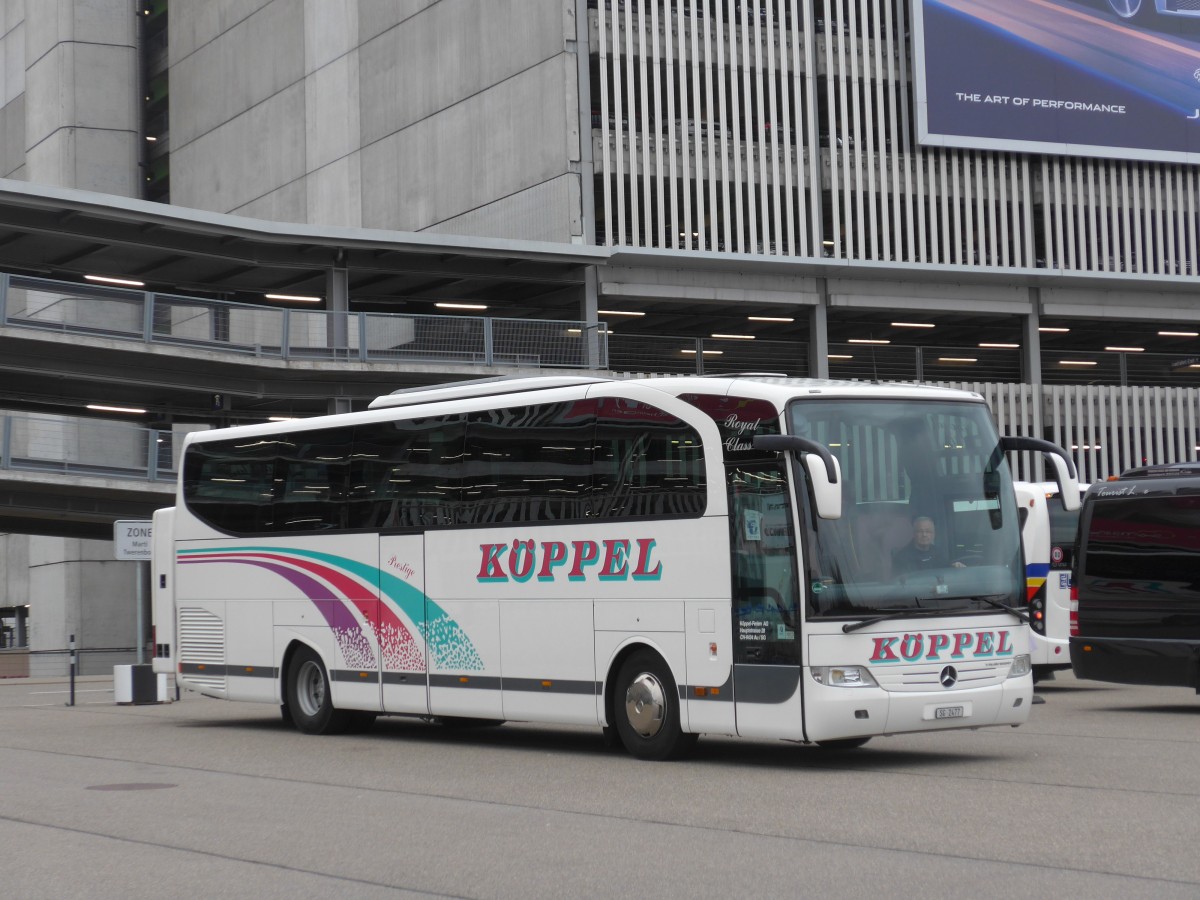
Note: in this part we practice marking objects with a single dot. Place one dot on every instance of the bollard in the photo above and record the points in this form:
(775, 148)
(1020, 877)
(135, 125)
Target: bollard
(73, 661)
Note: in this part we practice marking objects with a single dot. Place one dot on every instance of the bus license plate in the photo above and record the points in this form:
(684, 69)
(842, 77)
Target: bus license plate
(948, 712)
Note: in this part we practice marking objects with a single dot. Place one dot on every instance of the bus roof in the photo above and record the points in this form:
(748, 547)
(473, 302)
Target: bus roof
(778, 388)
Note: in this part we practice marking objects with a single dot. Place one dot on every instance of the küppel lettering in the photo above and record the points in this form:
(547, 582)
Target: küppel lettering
(616, 559)
(932, 647)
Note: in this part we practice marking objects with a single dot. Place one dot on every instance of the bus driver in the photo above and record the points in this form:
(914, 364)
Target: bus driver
(923, 552)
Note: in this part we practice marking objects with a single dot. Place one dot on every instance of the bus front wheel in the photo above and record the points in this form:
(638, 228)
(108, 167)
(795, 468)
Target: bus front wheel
(646, 709)
(309, 699)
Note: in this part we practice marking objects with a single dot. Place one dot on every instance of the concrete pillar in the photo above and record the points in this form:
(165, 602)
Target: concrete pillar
(81, 83)
(588, 314)
(337, 302)
(818, 333)
(1031, 343)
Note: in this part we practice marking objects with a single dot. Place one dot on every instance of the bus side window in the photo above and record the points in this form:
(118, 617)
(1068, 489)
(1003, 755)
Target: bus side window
(528, 464)
(230, 492)
(647, 462)
(407, 473)
(311, 474)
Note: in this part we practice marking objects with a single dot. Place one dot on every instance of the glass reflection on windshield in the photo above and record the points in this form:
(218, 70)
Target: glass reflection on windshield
(928, 519)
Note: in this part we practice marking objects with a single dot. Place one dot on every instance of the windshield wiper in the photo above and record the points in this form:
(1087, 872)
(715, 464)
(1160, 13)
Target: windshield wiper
(907, 612)
(931, 613)
(1021, 614)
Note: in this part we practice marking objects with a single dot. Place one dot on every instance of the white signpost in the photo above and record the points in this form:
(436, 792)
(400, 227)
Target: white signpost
(131, 541)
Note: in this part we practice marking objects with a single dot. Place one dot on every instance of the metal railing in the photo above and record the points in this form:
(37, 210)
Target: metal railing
(287, 333)
(705, 356)
(69, 445)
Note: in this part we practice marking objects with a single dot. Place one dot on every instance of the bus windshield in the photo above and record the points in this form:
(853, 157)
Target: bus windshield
(929, 518)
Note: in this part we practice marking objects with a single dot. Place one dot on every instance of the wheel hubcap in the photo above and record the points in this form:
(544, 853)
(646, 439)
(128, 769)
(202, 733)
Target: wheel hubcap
(645, 705)
(310, 692)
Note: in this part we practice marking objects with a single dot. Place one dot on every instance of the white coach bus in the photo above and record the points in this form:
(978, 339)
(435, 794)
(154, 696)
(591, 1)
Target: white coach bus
(659, 557)
(1048, 533)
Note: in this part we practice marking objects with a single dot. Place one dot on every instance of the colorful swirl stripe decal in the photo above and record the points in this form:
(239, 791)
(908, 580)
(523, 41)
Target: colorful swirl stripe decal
(326, 577)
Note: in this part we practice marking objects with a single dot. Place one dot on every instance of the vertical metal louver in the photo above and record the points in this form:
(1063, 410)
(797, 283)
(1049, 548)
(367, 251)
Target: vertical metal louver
(784, 127)
(1107, 428)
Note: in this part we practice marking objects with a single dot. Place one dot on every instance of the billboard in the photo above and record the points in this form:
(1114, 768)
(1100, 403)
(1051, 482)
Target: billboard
(1109, 78)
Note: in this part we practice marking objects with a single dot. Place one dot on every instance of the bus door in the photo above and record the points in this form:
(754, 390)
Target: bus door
(401, 468)
(403, 652)
(766, 609)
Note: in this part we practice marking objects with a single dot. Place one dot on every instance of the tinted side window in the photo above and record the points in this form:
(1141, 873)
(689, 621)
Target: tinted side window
(281, 482)
(648, 462)
(528, 464)
(231, 485)
(310, 474)
(1146, 539)
(408, 474)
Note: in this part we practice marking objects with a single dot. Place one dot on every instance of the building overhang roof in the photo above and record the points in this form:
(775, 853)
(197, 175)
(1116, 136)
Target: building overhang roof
(66, 233)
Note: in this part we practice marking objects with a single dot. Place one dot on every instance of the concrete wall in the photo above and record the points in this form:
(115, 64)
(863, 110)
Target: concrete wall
(81, 95)
(14, 569)
(78, 588)
(68, 117)
(12, 88)
(68, 94)
(347, 113)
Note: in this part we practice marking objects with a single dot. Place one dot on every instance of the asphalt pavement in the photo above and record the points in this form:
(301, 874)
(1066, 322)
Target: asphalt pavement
(1098, 796)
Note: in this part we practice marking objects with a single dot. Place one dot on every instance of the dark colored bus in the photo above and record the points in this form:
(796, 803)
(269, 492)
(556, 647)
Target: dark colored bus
(1136, 609)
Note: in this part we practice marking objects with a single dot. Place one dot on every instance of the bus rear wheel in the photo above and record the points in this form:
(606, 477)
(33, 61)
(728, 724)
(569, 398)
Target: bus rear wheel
(309, 698)
(646, 709)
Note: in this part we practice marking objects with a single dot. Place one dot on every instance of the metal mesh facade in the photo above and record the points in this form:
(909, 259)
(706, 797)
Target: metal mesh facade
(786, 128)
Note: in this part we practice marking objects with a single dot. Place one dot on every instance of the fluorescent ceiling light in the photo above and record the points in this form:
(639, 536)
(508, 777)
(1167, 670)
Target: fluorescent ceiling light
(840, 356)
(1055, 330)
(1179, 333)
(957, 359)
(772, 319)
(1001, 346)
(461, 305)
(619, 312)
(705, 352)
(866, 341)
(1076, 362)
(105, 279)
(913, 325)
(299, 298)
(281, 418)
(1126, 349)
(117, 409)
(735, 337)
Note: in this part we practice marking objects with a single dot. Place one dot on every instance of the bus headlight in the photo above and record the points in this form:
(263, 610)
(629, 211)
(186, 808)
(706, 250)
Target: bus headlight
(843, 676)
(1022, 665)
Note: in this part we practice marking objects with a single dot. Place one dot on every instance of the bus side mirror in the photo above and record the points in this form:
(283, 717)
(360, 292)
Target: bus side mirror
(824, 472)
(1065, 474)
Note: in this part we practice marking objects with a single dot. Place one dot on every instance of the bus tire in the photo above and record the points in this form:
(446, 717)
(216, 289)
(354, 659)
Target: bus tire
(310, 701)
(646, 709)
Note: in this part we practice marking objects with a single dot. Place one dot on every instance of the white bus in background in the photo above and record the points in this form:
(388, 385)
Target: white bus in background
(1048, 533)
(660, 558)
